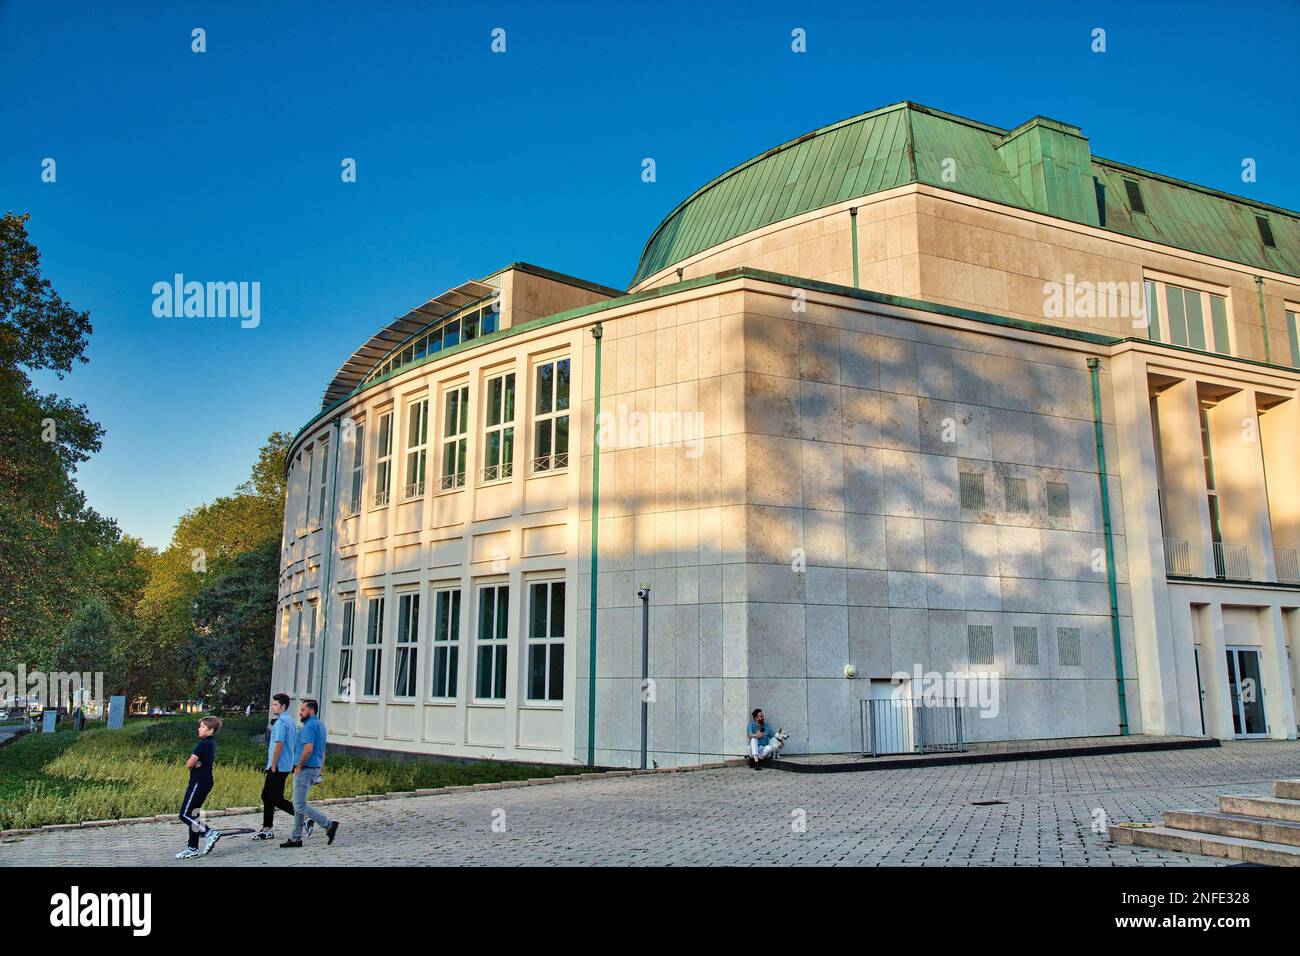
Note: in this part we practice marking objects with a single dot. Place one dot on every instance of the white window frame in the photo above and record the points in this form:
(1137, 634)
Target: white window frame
(358, 483)
(297, 648)
(546, 643)
(324, 482)
(501, 466)
(1159, 326)
(548, 421)
(417, 447)
(306, 511)
(373, 676)
(312, 621)
(384, 458)
(455, 437)
(446, 641)
(493, 636)
(347, 636)
(407, 646)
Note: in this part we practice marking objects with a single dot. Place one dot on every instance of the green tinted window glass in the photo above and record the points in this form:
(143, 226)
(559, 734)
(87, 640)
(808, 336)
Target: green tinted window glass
(1177, 315)
(1219, 316)
(1153, 312)
(1195, 319)
(1294, 338)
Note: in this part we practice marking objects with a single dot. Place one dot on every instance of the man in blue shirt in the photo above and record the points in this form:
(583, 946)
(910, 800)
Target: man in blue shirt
(309, 762)
(279, 764)
(764, 742)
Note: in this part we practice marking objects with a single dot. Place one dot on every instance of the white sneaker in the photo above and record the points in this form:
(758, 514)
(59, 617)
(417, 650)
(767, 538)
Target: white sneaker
(311, 825)
(188, 853)
(264, 835)
(209, 841)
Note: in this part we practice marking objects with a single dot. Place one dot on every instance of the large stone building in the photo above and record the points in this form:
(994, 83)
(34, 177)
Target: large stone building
(847, 415)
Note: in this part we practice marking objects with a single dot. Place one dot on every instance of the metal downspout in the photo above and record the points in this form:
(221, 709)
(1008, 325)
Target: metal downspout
(853, 216)
(597, 332)
(327, 552)
(1093, 365)
(1263, 317)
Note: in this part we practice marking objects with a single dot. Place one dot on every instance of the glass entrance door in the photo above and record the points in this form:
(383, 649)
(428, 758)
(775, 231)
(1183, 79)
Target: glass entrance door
(1247, 692)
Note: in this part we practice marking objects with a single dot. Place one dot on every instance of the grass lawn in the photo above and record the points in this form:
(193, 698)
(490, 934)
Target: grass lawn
(139, 770)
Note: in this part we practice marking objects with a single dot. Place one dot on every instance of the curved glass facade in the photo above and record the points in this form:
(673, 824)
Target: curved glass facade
(481, 318)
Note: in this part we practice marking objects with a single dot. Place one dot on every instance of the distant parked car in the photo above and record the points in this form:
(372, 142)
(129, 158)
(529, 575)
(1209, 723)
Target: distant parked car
(4, 715)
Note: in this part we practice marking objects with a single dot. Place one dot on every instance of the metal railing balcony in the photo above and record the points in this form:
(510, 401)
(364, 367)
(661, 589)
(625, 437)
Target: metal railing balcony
(1288, 567)
(907, 725)
(1231, 561)
(454, 480)
(554, 462)
(381, 498)
(498, 472)
(1178, 557)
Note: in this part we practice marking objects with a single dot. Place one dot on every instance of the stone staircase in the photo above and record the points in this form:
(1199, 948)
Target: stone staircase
(1263, 830)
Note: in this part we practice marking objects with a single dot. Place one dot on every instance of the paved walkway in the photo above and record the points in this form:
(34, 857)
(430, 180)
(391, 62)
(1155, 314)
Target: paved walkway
(922, 816)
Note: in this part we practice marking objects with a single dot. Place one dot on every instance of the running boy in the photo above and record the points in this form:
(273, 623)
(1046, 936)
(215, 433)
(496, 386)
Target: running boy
(200, 768)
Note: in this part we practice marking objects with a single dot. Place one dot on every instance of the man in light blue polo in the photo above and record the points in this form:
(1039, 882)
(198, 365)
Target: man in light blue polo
(309, 763)
(279, 764)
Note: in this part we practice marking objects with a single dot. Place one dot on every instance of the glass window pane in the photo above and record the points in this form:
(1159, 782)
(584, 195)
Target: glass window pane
(507, 445)
(557, 609)
(500, 671)
(1219, 316)
(491, 317)
(542, 444)
(537, 614)
(508, 406)
(537, 672)
(451, 334)
(1153, 312)
(562, 435)
(557, 672)
(469, 324)
(1195, 319)
(1294, 335)
(562, 385)
(1177, 315)
(464, 411)
(454, 633)
(454, 658)
(486, 613)
(503, 612)
(493, 450)
(494, 402)
(545, 387)
(484, 671)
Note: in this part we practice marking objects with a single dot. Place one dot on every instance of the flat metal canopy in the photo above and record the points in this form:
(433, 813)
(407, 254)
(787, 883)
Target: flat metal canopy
(353, 372)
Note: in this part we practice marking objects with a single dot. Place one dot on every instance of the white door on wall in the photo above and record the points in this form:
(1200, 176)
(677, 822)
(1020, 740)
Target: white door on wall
(891, 717)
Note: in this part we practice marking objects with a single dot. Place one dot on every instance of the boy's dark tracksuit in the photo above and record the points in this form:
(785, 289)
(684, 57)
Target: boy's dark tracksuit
(199, 788)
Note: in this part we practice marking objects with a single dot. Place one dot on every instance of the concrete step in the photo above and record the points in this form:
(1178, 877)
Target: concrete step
(1272, 808)
(1234, 825)
(1287, 789)
(1205, 844)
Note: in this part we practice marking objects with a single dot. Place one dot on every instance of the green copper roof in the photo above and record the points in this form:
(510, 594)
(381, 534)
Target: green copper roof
(1043, 165)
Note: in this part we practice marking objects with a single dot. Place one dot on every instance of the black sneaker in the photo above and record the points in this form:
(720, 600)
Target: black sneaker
(264, 835)
(758, 765)
(330, 830)
(291, 844)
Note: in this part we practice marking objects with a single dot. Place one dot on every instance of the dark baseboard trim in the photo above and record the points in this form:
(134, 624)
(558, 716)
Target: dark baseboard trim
(865, 764)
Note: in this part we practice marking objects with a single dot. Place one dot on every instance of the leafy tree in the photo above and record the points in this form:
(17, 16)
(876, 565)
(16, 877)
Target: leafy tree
(234, 617)
(46, 529)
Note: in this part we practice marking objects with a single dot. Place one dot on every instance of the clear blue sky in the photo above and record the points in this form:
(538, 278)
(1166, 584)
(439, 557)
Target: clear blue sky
(225, 165)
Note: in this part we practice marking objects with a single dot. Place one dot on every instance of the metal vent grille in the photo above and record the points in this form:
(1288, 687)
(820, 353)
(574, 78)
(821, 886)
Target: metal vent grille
(1058, 499)
(979, 643)
(972, 490)
(1016, 493)
(1068, 647)
(1026, 641)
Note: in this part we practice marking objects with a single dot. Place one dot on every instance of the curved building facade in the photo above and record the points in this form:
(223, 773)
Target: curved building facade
(958, 411)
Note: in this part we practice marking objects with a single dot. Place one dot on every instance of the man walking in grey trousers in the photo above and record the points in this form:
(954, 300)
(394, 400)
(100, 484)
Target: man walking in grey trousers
(309, 763)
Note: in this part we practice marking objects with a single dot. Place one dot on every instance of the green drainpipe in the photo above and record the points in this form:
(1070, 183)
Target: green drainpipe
(1263, 317)
(853, 215)
(597, 332)
(1093, 365)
